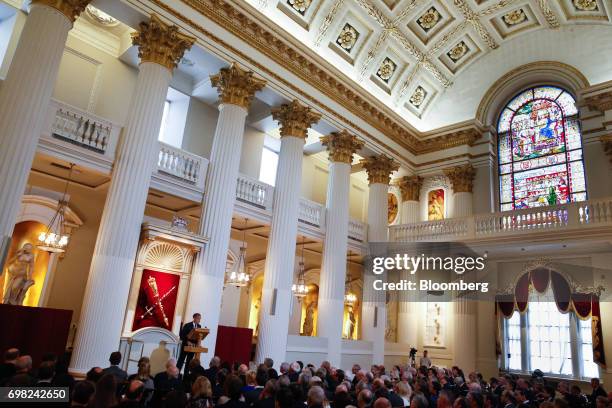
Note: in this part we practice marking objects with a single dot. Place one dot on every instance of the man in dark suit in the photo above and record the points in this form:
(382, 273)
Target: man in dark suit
(185, 330)
(114, 369)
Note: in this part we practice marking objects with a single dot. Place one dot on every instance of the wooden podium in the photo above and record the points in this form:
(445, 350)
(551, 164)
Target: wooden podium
(196, 336)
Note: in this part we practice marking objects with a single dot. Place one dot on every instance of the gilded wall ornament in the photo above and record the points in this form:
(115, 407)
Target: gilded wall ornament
(348, 37)
(101, 18)
(606, 141)
(515, 17)
(70, 8)
(341, 146)
(386, 69)
(458, 51)
(585, 5)
(161, 43)
(410, 186)
(379, 168)
(428, 20)
(461, 178)
(295, 119)
(300, 5)
(236, 86)
(418, 97)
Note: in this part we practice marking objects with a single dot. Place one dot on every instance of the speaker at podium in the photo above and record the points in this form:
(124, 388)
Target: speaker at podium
(195, 337)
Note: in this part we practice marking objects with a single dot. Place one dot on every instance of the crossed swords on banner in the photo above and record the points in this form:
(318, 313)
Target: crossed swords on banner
(149, 309)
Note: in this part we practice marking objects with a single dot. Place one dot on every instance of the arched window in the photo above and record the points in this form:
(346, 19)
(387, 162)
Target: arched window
(540, 150)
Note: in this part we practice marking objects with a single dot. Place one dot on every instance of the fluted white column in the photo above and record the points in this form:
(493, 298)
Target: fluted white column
(333, 268)
(464, 329)
(410, 212)
(408, 313)
(462, 178)
(341, 148)
(374, 309)
(280, 258)
(24, 100)
(110, 273)
(236, 88)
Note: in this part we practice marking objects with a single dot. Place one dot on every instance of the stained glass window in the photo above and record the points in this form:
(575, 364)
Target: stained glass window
(540, 150)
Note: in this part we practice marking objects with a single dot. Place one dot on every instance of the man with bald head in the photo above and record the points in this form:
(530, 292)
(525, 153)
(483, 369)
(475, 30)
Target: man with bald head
(365, 398)
(133, 395)
(382, 403)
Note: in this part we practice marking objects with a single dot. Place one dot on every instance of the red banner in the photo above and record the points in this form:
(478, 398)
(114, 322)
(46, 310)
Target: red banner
(156, 300)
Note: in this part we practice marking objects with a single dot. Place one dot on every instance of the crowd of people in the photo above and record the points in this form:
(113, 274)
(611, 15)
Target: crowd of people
(295, 385)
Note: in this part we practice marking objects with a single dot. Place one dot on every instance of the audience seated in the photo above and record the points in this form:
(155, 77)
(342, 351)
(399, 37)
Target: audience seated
(298, 386)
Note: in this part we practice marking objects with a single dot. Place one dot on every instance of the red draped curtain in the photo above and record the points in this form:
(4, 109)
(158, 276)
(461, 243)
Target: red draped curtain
(585, 305)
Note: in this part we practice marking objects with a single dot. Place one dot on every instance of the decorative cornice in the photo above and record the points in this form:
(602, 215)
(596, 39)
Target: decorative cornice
(161, 43)
(461, 178)
(379, 168)
(410, 186)
(601, 101)
(236, 86)
(295, 119)
(294, 60)
(341, 146)
(70, 8)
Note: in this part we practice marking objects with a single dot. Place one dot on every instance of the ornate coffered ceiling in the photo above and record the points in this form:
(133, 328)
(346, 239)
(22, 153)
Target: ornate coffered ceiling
(407, 53)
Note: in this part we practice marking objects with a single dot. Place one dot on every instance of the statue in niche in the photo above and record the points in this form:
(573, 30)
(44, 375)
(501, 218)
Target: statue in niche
(256, 306)
(351, 322)
(308, 326)
(391, 328)
(19, 274)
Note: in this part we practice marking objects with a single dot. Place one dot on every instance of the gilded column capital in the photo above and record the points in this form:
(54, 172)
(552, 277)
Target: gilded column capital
(161, 43)
(461, 178)
(379, 168)
(410, 186)
(341, 146)
(70, 8)
(236, 86)
(295, 119)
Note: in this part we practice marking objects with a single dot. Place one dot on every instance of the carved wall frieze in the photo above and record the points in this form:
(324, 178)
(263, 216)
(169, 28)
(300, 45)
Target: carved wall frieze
(601, 102)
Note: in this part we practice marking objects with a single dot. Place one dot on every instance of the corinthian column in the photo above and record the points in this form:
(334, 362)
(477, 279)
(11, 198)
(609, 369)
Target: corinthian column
(25, 97)
(295, 120)
(374, 311)
(464, 328)
(341, 147)
(236, 88)
(160, 47)
(410, 187)
(461, 178)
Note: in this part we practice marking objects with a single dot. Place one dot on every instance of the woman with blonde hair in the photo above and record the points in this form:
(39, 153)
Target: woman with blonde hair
(404, 390)
(201, 394)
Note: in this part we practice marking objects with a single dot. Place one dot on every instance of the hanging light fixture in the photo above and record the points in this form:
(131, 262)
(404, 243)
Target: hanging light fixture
(55, 237)
(349, 297)
(299, 288)
(238, 275)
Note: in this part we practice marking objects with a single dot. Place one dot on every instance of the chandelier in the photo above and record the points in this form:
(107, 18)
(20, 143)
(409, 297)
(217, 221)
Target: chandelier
(349, 297)
(238, 275)
(55, 237)
(299, 288)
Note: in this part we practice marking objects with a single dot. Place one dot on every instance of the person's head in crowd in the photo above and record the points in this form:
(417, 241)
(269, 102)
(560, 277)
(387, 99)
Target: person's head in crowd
(316, 397)
(575, 390)
(115, 358)
(46, 371)
(242, 369)
(250, 378)
(295, 367)
(269, 390)
(11, 355)
(94, 374)
(106, 392)
(144, 369)
(382, 403)
(23, 364)
(82, 393)
(284, 368)
(261, 376)
(171, 363)
(561, 403)
(173, 372)
(418, 401)
(272, 374)
(595, 383)
(460, 402)
(284, 398)
(194, 364)
(298, 392)
(475, 399)
(444, 400)
(268, 362)
(215, 362)
(507, 397)
(563, 387)
(232, 387)
(283, 381)
(474, 387)
(175, 399)
(201, 388)
(134, 390)
(365, 398)
(490, 400)
(326, 365)
(355, 369)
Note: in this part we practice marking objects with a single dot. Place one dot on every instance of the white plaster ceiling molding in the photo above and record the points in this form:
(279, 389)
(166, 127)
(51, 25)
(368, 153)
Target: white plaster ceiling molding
(386, 46)
(419, 96)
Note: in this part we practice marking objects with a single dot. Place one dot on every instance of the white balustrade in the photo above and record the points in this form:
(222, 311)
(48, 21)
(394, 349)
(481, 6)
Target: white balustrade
(357, 230)
(254, 192)
(179, 163)
(311, 213)
(557, 217)
(82, 128)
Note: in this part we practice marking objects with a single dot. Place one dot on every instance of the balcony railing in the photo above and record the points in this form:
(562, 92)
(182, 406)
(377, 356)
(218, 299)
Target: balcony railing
(562, 217)
(181, 164)
(254, 192)
(311, 213)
